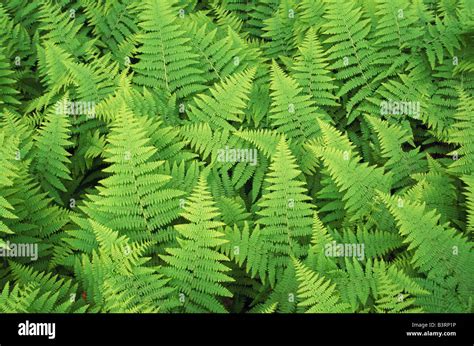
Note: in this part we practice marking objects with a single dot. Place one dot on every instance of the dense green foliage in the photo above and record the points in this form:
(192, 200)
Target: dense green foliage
(236, 156)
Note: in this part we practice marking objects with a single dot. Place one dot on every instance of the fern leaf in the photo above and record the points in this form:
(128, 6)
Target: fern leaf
(167, 62)
(285, 212)
(196, 268)
(316, 294)
(51, 157)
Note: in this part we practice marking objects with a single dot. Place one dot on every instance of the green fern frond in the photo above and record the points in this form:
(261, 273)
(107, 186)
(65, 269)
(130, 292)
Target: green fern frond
(227, 18)
(279, 30)
(18, 299)
(54, 294)
(462, 134)
(396, 29)
(261, 11)
(440, 252)
(285, 213)
(219, 59)
(8, 172)
(167, 62)
(135, 198)
(195, 267)
(51, 158)
(8, 92)
(14, 37)
(116, 277)
(399, 162)
(293, 113)
(438, 190)
(311, 72)
(37, 220)
(265, 140)
(59, 26)
(353, 60)
(390, 298)
(358, 181)
(231, 95)
(115, 25)
(355, 282)
(315, 294)
(469, 181)
(376, 243)
(310, 16)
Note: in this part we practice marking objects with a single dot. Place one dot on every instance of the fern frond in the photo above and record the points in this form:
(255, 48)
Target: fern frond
(390, 298)
(134, 199)
(438, 190)
(167, 62)
(279, 30)
(195, 267)
(18, 299)
(315, 294)
(51, 155)
(230, 95)
(293, 113)
(376, 243)
(353, 60)
(399, 162)
(285, 214)
(311, 72)
(218, 56)
(59, 26)
(440, 252)
(8, 172)
(469, 181)
(115, 25)
(54, 294)
(117, 279)
(462, 134)
(8, 92)
(358, 181)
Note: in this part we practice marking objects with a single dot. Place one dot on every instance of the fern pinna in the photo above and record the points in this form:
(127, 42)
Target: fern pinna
(272, 156)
